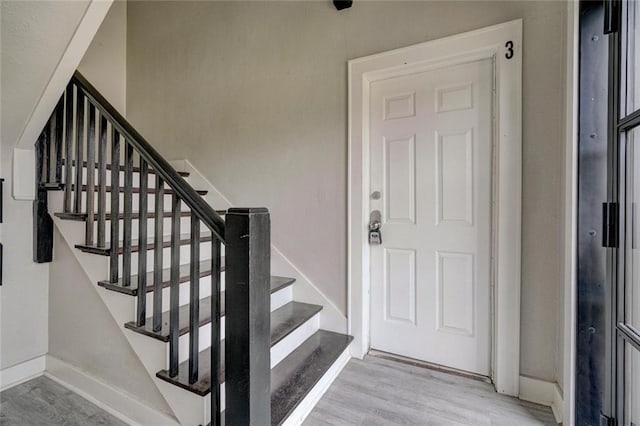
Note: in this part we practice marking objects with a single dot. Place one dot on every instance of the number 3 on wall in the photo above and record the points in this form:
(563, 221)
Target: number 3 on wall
(509, 46)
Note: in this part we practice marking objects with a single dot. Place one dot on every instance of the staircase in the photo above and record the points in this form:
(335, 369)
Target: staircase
(191, 286)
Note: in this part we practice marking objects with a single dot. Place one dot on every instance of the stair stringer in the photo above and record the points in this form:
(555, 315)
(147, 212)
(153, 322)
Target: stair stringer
(189, 409)
(303, 289)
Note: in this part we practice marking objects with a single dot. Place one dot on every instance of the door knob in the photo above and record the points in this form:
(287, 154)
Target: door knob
(375, 236)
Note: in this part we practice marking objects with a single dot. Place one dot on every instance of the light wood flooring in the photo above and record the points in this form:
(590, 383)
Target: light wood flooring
(378, 391)
(371, 392)
(42, 401)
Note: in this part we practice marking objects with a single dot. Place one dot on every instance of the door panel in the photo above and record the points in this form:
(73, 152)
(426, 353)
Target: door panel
(431, 162)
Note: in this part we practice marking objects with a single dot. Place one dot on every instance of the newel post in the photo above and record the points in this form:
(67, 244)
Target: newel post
(42, 222)
(248, 320)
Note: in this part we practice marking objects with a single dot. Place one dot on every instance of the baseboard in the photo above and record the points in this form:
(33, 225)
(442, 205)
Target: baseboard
(20, 373)
(305, 407)
(303, 290)
(557, 405)
(114, 401)
(544, 393)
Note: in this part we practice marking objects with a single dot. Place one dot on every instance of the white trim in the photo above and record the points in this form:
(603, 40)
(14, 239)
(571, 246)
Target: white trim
(557, 404)
(484, 43)
(305, 407)
(114, 401)
(570, 207)
(304, 290)
(20, 373)
(544, 393)
(78, 45)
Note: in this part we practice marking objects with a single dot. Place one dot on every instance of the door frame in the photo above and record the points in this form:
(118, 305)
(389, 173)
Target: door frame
(480, 44)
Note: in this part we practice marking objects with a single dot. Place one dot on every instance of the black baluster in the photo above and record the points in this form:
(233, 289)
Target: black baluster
(77, 207)
(102, 182)
(115, 202)
(68, 144)
(194, 296)
(91, 166)
(128, 207)
(57, 142)
(157, 254)
(215, 331)
(174, 290)
(142, 237)
(45, 150)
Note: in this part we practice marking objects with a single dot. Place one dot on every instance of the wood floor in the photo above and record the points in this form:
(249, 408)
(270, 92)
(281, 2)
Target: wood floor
(42, 401)
(377, 391)
(370, 392)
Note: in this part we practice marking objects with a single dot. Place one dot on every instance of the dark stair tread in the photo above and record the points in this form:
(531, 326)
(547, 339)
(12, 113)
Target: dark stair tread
(203, 386)
(286, 317)
(294, 377)
(135, 169)
(289, 317)
(134, 215)
(166, 242)
(136, 190)
(184, 276)
(52, 186)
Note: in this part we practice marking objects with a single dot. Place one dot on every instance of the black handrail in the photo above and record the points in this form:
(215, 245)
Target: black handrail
(185, 192)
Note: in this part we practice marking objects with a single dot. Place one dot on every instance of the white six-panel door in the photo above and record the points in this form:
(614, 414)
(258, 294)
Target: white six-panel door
(431, 164)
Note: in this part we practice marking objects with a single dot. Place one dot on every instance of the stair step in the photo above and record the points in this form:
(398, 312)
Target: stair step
(135, 169)
(205, 316)
(294, 377)
(284, 320)
(166, 242)
(134, 215)
(136, 190)
(52, 186)
(184, 274)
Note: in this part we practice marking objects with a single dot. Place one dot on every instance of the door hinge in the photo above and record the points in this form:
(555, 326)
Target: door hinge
(610, 219)
(607, 421)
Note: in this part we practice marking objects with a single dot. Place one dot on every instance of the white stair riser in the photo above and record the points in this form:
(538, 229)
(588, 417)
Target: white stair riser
(135, 176)
(278, 352)
(205, 291)
(185, 257)
(204, 341)
(280, 297)
(134, 202)
(185, 227)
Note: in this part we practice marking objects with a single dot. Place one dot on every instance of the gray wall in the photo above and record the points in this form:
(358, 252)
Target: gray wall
(254, 94)
(86, 336)
(105, 62)
(34, 35)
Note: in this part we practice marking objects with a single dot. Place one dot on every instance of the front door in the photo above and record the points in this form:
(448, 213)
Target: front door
(431, 168)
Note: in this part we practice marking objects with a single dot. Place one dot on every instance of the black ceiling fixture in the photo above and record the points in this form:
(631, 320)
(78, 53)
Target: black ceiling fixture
(342, 4)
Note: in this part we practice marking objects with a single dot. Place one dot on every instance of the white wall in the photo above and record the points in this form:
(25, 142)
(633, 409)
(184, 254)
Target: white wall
(34, 35)
(254, 94)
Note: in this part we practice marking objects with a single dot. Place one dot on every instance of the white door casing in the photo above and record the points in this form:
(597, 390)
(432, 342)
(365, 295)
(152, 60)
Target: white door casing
(503, 45)
(430, 138)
